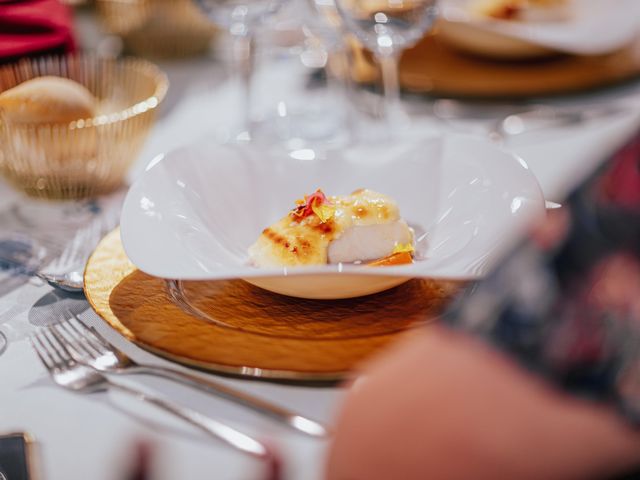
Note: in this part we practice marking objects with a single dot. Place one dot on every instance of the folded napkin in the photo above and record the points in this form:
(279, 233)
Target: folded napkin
(34, 27)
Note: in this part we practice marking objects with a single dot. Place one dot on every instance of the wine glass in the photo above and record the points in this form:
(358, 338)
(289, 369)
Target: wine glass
(298, 106)
(240, 18)
(387, 27)
(326, 23)
(326, 53)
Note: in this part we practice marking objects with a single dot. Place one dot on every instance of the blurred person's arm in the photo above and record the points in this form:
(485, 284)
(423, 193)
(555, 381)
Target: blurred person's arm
(535, 372)
(442, 406)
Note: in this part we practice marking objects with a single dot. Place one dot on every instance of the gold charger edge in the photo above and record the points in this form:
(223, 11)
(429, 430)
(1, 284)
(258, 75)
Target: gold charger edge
(138, 307)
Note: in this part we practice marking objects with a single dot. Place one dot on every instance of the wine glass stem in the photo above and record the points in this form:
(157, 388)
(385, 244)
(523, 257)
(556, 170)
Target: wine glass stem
(339, 83)
(243, 49)
(391, 87)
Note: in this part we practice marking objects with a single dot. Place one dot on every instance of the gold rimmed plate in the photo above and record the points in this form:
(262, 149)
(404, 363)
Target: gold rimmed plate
(232, 327)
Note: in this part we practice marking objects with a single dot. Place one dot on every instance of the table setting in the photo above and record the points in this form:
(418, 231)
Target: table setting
(159, 316)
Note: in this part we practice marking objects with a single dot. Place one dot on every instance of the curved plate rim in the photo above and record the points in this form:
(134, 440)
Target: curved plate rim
(416, 270)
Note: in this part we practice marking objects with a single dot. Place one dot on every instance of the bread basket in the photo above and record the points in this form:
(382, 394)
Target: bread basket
(89, 156)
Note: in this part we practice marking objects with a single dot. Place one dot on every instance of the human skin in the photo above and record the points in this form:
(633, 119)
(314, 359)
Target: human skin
(442, 406)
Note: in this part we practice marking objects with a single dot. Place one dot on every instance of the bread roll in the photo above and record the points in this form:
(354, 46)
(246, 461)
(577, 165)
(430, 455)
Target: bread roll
(48, 100)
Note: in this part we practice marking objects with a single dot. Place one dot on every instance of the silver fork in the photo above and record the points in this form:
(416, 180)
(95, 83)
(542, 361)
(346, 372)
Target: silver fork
(66, 272)
(88, 347)
(71, 375)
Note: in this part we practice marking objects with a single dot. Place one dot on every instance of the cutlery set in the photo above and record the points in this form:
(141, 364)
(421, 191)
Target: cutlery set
(78, 358)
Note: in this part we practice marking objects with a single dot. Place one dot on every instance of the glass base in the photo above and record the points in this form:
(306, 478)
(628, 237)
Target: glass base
(294, 131)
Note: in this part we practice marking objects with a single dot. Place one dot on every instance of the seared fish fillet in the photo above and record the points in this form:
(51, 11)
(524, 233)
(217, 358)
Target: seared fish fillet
(363, 226)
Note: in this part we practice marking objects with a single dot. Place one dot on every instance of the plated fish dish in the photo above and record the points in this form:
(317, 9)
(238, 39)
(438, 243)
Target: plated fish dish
(364, 227)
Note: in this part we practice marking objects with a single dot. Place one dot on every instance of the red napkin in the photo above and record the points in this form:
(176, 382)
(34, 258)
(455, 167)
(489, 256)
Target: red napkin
(34, 27)
(622, 185)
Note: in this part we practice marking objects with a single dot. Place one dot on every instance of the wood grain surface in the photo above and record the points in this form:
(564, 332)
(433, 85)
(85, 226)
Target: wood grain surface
(436, 68)
(234, 328)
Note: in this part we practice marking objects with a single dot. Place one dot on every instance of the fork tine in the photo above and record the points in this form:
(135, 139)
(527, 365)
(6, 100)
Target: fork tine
(85, 339)
(57, 346)
(76, 346)
(99, 344)
(102, 342)
(84, 238)
(94, 232)
(100, 338)
(82, 242)
(46, 349)
(63, 260)
(41, 351)
(89, 239)
(56, 264)
(79, 245)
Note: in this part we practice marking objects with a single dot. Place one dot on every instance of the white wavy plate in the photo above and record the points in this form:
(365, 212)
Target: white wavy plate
(194, 213)
(596, 27)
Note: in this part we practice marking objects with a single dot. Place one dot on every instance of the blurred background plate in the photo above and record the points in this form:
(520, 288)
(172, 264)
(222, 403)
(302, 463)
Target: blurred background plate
(475, 40)
(584, 27)
(435, 67)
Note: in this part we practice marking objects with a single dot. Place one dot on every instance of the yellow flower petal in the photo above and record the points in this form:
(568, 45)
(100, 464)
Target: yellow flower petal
(324, 212)
(403, 248)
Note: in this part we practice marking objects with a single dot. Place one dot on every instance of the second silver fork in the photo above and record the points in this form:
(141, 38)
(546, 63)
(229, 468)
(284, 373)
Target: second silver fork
(69, 374)
(88, 347)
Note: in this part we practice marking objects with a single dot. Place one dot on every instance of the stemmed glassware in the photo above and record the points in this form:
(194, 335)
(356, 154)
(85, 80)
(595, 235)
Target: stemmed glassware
(326, 123)
(240, 18)
(387, 27)
(326, 23)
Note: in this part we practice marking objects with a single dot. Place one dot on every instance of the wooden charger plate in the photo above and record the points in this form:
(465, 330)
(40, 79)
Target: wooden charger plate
(434, 67)
(234, 328)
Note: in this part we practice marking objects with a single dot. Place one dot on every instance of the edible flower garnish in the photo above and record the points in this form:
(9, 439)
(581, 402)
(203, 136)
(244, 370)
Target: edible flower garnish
(317, 203)
(403, 248)
(324, 212)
